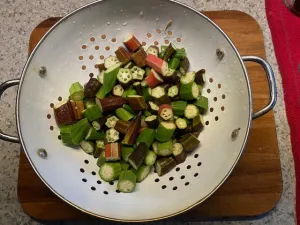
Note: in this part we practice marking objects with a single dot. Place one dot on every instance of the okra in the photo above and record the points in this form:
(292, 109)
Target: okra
(153, 50)
(99, 148)
(63, 113)
(164, 165)
(89, 102)
(111, 121)
(118, 90)
(137, 73)
(137, 102)
(110, 61)
(113, 152)
(100, 77)
(126, 152)
(138, 87)
(189, 91)
(124, 77)
(198, 124)
(110, 171)
(109, 81)
(147, 113)
(123, 114)
(170, 76)
(92, 113)
(93, 134)
(137, 157)
(124, 165)
(129, 65)
(157, 64)
(100, 66)
(129, 91)
(178, 153)
(122, 126)
(101, 160)
(189, 142)
(163, 49)
(184, 66)
(150, 158)
(174, 63)
(129, 109)
(164, 148)
(147, 94)
(147, 136)
(142, 173)
(153, 79)
(152, 121)
(91, 88)
(180, 53)
(74, 134)
(188, 78)
(110, 104)
(153, 107)
(165, 111)
(112, 135)
(181, 123)
(139, 57)
(147, 71)
(122, 55)
(160, 96)
(178, 107)
(143, 124)
(171, 49)
(77, 107)
(173, 91)
(127, 181)
(191, 111)
(165, 131)
(202, 104)
(200, 77)
(132, 133)
(88, 147)
(132, 43)
(76, 92)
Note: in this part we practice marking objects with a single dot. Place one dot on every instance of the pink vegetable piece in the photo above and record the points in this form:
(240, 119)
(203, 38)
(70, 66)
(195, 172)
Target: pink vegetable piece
(157, 64)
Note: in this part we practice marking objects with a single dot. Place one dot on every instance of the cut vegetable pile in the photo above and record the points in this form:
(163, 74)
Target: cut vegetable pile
(143, 110)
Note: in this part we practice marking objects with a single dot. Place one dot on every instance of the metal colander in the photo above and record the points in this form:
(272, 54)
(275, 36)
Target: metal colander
(69, 52)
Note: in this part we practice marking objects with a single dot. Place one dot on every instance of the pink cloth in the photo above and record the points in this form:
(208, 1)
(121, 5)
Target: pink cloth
(285, 29)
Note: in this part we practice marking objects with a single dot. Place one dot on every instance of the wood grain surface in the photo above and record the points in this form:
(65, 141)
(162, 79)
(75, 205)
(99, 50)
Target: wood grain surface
(254, 187)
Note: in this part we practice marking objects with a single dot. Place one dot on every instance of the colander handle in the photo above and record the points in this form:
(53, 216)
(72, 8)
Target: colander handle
(272, 84)
(3, 87)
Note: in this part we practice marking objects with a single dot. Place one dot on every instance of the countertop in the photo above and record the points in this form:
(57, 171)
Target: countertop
(19, 17)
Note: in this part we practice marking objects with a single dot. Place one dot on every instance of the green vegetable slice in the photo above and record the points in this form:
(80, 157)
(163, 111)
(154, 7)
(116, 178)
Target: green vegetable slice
(110, 78)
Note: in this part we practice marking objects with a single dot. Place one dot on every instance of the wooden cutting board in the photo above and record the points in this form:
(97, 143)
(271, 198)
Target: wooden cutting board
(255, 185)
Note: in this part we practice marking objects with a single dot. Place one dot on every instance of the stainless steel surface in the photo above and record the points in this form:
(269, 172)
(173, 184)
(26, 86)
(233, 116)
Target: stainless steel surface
(72, 37)
(272, 84)
(5, 85)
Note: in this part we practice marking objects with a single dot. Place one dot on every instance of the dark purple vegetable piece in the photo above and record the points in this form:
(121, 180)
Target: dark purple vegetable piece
(189, 142)
(133, 130)
(110, 104)
(122, 126)
(77, 107)
(137, 157)
(122, 55)
(91, 88)
(63, 113)
(139, 57)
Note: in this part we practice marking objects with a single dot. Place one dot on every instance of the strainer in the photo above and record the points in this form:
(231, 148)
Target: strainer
(69, 52)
